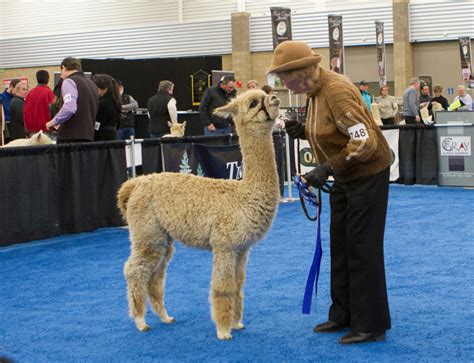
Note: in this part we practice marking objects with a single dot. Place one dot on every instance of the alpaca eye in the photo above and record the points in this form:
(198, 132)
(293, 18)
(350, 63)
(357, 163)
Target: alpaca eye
(254, 104)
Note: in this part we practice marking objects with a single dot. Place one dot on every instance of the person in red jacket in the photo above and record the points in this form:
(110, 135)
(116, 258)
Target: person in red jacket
(37, 104)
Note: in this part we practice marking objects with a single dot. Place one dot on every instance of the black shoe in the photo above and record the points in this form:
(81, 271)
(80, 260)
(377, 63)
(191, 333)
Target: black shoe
(329, 327)
(353, 337)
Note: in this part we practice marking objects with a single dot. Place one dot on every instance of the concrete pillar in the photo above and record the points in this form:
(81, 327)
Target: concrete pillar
(402, 48)
(241, 56)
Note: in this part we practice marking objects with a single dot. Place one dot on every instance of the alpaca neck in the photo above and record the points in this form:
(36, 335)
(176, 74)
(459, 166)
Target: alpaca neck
(258, 157)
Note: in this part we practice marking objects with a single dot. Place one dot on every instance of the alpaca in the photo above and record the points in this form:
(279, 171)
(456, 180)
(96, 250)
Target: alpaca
(36, 139)
(425, 115)
(223, 216)
(374, 108)
(436, 106)
(176, 129)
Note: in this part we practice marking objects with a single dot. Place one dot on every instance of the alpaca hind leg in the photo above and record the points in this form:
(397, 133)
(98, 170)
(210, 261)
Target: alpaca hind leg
(156, 287)
(138, 270)
(222, 292)
(240, 272)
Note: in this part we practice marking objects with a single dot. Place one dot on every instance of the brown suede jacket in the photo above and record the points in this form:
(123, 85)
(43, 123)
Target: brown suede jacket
(341, 130)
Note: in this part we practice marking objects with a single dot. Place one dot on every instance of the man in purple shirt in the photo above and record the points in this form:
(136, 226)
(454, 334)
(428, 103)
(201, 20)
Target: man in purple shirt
(76, 118)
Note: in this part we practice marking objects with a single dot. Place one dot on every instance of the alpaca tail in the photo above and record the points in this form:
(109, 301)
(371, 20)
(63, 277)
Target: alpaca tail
(124, 194)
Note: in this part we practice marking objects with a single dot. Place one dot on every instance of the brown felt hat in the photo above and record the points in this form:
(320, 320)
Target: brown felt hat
(292, 55)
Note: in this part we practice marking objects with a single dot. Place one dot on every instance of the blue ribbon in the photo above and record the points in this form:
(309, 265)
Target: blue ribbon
(313, 276)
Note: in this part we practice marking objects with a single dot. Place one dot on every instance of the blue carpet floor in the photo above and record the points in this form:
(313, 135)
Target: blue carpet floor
(64, 299)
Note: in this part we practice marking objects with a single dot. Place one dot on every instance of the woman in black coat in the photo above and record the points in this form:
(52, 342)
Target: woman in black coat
(108, 114)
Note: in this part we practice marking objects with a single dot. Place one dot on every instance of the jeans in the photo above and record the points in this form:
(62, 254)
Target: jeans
(125, 133)
(225, 130)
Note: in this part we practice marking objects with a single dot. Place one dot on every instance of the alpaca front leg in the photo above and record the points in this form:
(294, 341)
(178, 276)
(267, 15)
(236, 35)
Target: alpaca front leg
(222, 293)
(156, 287)
(240, 273)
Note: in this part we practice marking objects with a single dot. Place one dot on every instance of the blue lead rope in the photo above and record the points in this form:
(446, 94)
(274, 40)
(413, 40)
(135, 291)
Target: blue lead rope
(307, 194)
(313, 276)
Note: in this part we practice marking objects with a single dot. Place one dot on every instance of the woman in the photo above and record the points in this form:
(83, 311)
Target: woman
(350, 146)
(388, 107)
(438, 97)
(108, 114)
(17, 125)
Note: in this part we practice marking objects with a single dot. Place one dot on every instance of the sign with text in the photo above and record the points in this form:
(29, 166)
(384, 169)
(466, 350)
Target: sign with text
(466, 64)
(336, 45)
(455, 145)
(213, 161)
(281, 25)
(380, 43)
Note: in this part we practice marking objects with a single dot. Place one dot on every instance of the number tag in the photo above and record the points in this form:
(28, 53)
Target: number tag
(358, 132)
(97, 126)
(67, 98)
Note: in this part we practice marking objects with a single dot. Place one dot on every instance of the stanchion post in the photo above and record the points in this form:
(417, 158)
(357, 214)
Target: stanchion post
(132, 156)
(288, 160)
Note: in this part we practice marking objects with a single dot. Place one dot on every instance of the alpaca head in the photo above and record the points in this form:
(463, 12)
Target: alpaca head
(253, 111)
(40, 139)
(436, 106)
(176, 129)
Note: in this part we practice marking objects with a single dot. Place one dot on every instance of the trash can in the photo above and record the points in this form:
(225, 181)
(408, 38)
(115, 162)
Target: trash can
(455, 132)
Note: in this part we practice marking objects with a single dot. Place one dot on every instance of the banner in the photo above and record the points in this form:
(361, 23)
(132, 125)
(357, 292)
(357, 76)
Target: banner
(281, 25)
(392, 137)
(220, 162)
(336, 46)
(200, 82)
(466, 65)
(380, 43)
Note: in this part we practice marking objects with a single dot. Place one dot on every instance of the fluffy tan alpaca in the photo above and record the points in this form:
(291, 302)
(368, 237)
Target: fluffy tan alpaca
(436, 106)
(176, 129)
(374, 108)
(223, 216)
(425, 115)
(36, 139)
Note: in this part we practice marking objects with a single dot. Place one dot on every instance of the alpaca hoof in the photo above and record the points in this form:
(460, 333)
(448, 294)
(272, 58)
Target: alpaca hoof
(169, 320)
(144, 328)
(224, 336)
(238, 326)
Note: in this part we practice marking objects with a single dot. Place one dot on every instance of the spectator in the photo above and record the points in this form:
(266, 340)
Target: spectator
(17, 125)
(110, 106)
(411, 107)
(347, 144)
(388, 107)
(363, 88)
(161, 109)
(438, 97)
(6, 98)
(425, 96)
(214, 97)
(464, 98)
(252, 84)
(437, 90)
(126, 127)
(76, 117)
(38, 104)
(267, 89)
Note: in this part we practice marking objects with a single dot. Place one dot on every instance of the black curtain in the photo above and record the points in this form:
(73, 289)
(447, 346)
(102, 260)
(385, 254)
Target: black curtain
(142, 76)
(418, 154)
(47, 191)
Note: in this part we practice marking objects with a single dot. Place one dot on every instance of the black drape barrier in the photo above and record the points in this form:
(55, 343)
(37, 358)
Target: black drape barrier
(51, 190)
(142, 76)
(152, 161)
(418, 154)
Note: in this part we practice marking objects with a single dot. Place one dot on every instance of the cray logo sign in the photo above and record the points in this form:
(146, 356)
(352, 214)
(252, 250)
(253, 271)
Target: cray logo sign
(455, 145)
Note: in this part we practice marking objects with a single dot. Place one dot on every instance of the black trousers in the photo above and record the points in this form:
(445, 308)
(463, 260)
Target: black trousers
(410, 120)
(388, 121)
(358, 288)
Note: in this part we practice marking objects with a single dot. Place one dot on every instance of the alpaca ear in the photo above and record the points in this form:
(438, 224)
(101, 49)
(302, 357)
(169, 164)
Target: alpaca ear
(184, 124)
(170, 124)
(231, 109)
(38, 136)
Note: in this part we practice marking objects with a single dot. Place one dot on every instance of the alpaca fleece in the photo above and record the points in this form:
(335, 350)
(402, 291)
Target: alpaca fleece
(223, 216)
